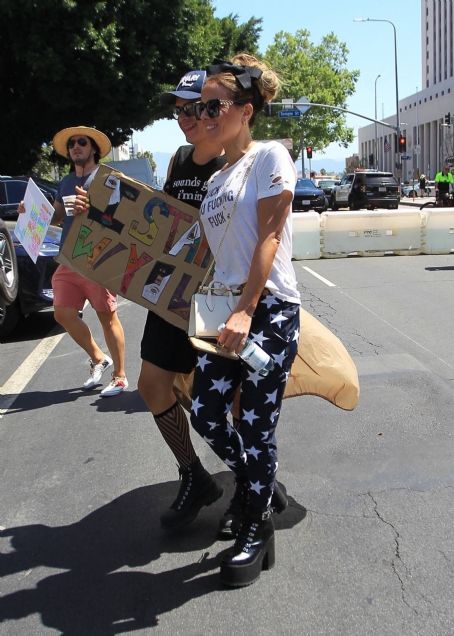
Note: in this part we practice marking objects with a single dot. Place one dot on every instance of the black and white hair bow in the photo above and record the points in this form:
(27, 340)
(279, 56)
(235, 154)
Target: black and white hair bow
(243, 74)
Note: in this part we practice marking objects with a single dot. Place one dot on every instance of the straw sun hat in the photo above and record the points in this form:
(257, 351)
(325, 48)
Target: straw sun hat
(61, 139)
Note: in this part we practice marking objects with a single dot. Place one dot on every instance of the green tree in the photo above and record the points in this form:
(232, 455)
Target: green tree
(49, 165)
(148, 155)
(238, 37)
(319, 73)
(93, 62)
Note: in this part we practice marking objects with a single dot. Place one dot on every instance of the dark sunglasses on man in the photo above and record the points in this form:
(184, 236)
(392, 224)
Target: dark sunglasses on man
(81, 142)
(212, 108)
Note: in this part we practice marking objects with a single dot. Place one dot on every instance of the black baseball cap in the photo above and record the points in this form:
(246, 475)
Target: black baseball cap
(190, 87)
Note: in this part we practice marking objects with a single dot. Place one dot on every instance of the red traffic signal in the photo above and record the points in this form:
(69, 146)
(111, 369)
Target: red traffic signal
(309, 152)
(402, 143)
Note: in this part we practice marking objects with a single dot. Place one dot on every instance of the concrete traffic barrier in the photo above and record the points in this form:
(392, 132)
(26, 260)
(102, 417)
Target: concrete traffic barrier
(306, 235)
(370, 233)
(437, 231)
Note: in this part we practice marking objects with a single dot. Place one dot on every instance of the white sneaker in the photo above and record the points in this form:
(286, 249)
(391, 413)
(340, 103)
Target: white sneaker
(116, 386)
(96, 371)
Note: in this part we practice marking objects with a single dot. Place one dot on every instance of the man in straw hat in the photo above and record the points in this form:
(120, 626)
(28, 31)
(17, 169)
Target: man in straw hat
(84, 147)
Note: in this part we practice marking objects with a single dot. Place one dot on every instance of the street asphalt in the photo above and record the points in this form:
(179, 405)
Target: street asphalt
(365, 547)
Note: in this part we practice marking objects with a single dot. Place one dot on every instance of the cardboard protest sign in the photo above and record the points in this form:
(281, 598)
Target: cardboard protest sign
(31, 226)
(140, 243)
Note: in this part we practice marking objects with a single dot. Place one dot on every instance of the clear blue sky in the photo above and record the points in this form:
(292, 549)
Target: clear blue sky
(371, 46)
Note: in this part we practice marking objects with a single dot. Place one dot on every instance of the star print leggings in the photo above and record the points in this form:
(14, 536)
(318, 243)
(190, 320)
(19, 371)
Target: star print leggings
(251, 451)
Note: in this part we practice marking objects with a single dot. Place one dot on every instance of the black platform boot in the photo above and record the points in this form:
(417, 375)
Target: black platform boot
(252, 552)
(197, 489)
(231, 521)
(279, 501)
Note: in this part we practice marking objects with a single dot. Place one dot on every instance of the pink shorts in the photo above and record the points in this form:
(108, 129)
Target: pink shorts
(72, 290)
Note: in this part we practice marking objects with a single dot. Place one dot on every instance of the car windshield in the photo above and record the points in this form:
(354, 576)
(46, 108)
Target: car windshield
(305, 183)
(326, 183)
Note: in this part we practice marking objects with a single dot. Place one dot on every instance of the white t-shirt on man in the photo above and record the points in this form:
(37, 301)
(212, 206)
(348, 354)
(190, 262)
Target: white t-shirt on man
(265, 170)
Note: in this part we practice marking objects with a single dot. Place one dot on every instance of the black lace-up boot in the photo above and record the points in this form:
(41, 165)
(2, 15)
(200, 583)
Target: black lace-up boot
(197, 489)
(252, 552)
(231, 521)
(233, 516)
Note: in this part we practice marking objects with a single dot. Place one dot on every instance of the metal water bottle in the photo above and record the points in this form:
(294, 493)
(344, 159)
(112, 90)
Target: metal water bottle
(254, 357)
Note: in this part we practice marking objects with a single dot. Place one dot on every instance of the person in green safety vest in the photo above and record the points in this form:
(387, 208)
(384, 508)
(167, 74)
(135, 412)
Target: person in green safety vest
(443, 180)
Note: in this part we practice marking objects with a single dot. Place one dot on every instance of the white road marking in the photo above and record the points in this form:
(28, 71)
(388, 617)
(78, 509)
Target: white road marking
(324, 280)
(23, 374)
(15, 384)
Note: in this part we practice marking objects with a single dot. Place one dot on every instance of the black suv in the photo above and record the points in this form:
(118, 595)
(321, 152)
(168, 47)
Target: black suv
(12, 190)
(366, 189)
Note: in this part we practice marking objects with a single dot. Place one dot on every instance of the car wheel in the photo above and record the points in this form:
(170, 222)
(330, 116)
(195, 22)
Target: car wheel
(9, 317)
(334, 206)
(9, 274)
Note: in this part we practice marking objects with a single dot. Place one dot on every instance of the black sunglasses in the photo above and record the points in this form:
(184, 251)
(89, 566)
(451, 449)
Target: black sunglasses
(213, 107)
(72, 142)
(187, 109)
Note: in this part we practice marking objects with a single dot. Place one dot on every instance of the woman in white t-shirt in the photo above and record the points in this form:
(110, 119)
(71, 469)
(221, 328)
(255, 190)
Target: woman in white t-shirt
(246, 215)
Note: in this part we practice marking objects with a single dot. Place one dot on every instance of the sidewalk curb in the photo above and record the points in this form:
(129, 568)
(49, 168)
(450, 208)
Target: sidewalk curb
(417, 203)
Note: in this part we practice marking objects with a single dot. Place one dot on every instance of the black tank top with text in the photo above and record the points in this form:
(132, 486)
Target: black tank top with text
(188, 180)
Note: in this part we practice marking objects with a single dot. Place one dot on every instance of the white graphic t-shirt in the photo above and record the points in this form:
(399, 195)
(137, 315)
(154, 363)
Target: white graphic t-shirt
(269, 170)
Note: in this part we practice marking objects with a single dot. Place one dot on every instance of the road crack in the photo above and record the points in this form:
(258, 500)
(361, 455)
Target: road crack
(397, 560)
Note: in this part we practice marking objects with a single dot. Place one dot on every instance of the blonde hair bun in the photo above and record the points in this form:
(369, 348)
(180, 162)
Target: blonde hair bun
(269, 83)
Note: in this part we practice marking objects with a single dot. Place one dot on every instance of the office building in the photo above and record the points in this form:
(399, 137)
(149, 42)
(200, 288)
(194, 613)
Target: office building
(427, 116)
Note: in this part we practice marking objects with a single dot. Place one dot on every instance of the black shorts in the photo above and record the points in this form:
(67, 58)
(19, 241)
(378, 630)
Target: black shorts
(167, 346)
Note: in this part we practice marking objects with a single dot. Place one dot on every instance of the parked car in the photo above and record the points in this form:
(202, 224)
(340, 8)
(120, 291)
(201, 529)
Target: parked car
(366, 189)
(408, 189)
(9, 275)
(34, 292)
(12, 190)
(327, 185)
(308, 197)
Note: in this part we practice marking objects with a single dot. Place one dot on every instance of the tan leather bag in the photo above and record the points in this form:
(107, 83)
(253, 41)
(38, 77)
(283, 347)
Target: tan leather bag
(322, 367)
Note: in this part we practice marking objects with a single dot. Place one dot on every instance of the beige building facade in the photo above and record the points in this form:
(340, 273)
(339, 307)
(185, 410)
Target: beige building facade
(427, 116)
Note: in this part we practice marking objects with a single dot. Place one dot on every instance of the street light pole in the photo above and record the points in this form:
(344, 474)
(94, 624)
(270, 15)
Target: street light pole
(376, 141)
(418, 149)
(396, 79)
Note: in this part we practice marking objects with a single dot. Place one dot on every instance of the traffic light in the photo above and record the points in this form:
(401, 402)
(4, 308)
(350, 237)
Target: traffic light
(402, 143)
(448, 119)
(309, 152)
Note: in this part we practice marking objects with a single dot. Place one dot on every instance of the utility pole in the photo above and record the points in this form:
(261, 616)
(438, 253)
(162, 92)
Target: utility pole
(302, 159)
(376, 142)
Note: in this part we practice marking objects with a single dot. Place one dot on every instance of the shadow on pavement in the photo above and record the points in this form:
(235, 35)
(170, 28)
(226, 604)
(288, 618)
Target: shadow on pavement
(127, 402)
(91, 597)
(36, 326)
(439, 269)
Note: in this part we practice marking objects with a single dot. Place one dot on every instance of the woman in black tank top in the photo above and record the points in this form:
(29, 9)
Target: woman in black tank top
(165, 349)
